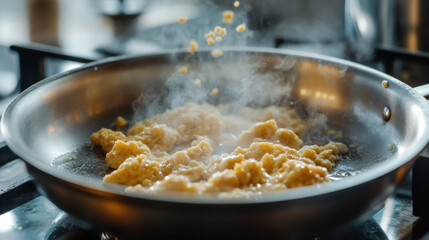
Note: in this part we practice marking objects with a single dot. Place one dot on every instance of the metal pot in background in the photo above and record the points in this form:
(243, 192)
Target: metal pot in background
(340, 28)
(389, 24)
(356, 26)
(404, 24)
(403, 39)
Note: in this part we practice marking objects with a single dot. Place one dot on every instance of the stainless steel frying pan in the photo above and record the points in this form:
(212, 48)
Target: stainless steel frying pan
(49, 124)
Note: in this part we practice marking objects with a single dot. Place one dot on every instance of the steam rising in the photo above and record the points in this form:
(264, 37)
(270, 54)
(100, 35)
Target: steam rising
(244, 79)
(239, 81)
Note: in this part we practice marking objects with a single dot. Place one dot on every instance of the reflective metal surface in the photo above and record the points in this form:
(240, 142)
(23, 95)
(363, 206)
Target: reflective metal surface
(404, 23)
(61, 113)
(40, 219)
(395, 220)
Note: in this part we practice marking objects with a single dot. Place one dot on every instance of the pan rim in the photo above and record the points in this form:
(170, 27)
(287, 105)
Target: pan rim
(289, 194)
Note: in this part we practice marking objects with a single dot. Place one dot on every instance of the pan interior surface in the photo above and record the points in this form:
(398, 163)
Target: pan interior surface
(49, 125)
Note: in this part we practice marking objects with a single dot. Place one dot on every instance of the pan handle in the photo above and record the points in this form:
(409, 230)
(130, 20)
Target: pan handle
(32, 61)
(423, 90)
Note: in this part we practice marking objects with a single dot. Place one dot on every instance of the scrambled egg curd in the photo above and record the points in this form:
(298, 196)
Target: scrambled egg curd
(206, 150)
(240, 28)
(228, 16)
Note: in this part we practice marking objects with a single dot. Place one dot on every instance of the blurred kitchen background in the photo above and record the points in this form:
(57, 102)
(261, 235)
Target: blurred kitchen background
(357, 30)
(39, 38)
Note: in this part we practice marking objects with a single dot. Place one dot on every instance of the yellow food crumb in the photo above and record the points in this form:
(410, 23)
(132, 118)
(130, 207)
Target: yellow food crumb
(218, 38)
(183, 70)
(228, 16)
(390, 146)
(216, 53)
(182, 19)
(193, 46)
(139, 169)
(214, 92)
(217, 29)
(236, 4)
(210, 41)
(123, 150)
(269, 131)
(180, 151)
(385, 83)
(106, 138)
(158, 137)
(223, 32)
(197, 83)
(241, 28)
(120, 123)
(210, 35)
